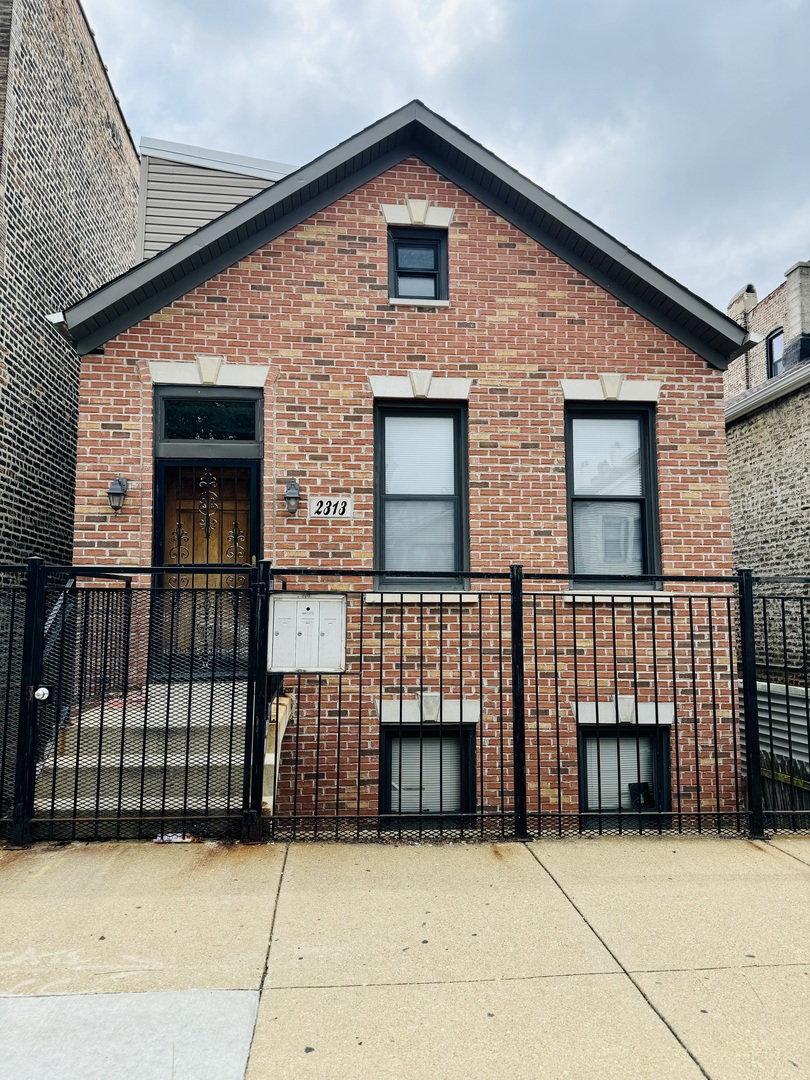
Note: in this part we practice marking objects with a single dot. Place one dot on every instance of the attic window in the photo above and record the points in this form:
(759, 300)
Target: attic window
(417, 264)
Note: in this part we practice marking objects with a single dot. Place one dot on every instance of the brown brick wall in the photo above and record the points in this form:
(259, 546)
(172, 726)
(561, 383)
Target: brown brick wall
(768, 452)
(68, 200)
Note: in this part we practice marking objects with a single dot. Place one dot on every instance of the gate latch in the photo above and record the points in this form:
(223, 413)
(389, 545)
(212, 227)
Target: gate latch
(38, 693)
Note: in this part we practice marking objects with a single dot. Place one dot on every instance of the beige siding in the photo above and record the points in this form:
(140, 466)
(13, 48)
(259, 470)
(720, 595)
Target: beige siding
(178, 198)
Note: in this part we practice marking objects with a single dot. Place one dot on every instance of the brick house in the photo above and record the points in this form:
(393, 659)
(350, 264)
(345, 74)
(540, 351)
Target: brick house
(443, 371)
(68, 197)
(768, 422)
(768, 433)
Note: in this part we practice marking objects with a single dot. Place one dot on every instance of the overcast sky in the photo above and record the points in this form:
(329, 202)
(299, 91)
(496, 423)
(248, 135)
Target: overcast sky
(679, 127)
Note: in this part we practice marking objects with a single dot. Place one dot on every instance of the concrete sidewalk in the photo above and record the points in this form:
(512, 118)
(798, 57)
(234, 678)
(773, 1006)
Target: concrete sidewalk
(661, 957)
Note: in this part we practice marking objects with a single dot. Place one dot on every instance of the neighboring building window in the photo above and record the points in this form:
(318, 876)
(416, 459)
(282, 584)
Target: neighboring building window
(417, 264)
(421, 507)
(613, 516)
(431, 771)
(628, 772)
(775, 348)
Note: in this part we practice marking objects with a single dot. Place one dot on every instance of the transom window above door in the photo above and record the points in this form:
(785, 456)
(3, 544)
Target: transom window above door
(203, 422)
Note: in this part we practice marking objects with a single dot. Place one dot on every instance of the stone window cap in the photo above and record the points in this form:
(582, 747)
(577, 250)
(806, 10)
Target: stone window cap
(608, 386)
(624, 709)
(207, 371)
(420, 385)
(428, 708)
(422, 599)
(614, 596)
(417, 212)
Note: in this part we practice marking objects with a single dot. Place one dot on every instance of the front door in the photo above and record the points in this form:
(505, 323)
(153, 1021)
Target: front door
(206, 516)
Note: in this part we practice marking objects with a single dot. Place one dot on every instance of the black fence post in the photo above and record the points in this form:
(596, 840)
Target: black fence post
(252, 829)
(753, 761)
(518, 701)
(31, 673)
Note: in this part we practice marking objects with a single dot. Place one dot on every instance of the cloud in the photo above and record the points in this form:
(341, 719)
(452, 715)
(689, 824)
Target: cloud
(677, 129)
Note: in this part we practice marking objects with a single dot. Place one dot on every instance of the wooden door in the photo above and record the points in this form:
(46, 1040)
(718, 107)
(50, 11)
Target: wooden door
(207, 516)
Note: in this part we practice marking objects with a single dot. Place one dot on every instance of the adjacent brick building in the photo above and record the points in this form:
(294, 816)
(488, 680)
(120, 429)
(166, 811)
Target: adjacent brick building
(453, 372)
(768, 422)
(68, 199)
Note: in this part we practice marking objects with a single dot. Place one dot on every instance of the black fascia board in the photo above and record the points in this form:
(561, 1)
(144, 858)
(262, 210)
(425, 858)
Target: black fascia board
(722, 331)
(410, 131)
(171, 273)
(712, 353)
(172, 288)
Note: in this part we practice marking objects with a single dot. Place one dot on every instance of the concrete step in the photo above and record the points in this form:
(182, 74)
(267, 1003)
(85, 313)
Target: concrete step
(195, 741)
(153, 788)
(173, 705)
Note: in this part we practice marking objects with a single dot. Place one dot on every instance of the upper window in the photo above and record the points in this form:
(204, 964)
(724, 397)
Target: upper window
(417, 264)
(775, 348)
(613, 518)
(202, 422)
(421, 510)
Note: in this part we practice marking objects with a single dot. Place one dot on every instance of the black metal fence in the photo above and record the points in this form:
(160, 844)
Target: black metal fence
(129, 705)
(782, 648)
(518, 708)
(138, 705)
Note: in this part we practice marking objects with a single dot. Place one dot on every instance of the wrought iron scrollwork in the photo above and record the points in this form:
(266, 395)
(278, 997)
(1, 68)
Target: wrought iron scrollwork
(208, 506)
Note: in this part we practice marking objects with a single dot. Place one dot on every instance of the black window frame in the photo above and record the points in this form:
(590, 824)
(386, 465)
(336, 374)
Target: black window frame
(207, 448)
(465, 733)
(611, 817)
(456, 580)
(434, 238)
(648, 499)
(776, 367)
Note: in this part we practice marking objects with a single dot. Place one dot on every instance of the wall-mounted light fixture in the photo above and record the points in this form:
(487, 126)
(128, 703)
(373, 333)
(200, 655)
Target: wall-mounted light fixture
(116, 493)
(292, 497)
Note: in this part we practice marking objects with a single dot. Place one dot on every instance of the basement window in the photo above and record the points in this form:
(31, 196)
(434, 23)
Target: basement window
(430, 771)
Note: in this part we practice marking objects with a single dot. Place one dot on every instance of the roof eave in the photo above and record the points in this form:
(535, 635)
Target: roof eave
(413, 129)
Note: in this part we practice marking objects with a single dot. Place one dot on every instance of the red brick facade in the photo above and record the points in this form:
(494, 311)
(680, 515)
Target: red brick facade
(313, 307)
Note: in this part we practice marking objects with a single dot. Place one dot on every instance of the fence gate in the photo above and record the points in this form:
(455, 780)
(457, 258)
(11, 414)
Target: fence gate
(137, 700)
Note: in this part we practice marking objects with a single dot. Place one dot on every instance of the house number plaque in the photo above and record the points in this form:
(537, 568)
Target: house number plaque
(331, 506)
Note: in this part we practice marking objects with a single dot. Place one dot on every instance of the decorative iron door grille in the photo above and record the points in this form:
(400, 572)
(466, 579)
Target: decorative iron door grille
(206, 517)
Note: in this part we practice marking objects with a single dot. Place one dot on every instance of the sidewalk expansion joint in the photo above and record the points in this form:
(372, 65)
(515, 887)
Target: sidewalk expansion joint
(774, 844)
(450, 982)
(267, 955)
(719, 967)
(616, 960)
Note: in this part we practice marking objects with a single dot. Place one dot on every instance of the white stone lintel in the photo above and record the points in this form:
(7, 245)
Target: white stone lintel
(207, 371)
(402, 386)
(611, 387)
(418, 212)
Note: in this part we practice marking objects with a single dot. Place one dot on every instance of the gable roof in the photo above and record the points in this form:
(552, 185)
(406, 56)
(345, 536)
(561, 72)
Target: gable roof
(410, 131)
